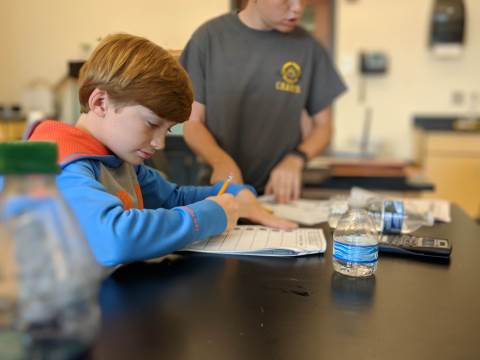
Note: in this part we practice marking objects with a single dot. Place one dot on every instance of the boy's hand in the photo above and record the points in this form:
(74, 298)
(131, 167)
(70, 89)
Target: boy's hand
(230, 205)
(225, 168)
(253, 210)
(285, 180)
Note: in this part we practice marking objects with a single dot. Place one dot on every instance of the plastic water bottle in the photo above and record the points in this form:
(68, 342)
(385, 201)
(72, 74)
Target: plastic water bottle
(48, 276)
(389, 216)
(392, 217)
(355, 243)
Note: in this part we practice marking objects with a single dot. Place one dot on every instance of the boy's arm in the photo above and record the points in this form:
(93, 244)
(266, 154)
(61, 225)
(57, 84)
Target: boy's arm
(158, 192)
(117, 236)
(202, 142)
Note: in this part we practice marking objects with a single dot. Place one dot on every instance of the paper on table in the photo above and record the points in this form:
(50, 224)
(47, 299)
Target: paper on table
(310, 212)
(303, 211)
(439, 208)
(263, 241)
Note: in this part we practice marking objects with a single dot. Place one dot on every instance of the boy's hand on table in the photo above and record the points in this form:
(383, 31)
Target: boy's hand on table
(231, 207)
(250, 208)
(286, 179)
(224, 169)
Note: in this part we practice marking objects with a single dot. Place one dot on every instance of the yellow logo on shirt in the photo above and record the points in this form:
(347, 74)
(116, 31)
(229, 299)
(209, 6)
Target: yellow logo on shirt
(291, 73)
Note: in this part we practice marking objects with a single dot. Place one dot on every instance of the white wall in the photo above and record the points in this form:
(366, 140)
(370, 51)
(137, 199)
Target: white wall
(417, 82)
(38, 37)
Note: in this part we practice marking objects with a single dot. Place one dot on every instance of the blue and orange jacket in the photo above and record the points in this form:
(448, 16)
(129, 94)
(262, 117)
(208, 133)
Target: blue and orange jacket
(128, 213)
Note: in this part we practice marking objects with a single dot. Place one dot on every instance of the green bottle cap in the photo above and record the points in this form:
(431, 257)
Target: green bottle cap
(28, 157)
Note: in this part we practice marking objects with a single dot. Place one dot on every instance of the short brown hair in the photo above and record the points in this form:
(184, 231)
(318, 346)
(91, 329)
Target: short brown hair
(135, 71)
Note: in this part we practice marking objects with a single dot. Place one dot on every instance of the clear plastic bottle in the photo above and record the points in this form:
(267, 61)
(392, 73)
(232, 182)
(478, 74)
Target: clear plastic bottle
(389, 216)
(392, 217)
(355, 243)
(49, 278)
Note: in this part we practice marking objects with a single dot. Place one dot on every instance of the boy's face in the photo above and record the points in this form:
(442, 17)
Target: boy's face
(134, 132)
(281, 15)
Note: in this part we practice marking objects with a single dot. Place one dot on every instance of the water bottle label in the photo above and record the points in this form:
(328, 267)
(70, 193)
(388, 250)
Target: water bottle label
(361, 254)
(393, 215)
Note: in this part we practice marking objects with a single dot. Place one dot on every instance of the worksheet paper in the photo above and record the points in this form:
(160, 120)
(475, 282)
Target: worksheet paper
(302, 211)
(263, 241)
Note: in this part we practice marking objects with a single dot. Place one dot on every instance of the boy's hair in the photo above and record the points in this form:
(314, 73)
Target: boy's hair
(135, 71)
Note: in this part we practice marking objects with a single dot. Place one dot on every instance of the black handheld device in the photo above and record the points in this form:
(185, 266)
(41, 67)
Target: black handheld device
(407, 244)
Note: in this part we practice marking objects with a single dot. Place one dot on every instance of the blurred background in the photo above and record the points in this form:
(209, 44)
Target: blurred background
(411, 67)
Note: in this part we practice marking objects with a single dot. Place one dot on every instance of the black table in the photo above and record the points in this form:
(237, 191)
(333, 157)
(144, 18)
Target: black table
(197, 306)
(318, 180)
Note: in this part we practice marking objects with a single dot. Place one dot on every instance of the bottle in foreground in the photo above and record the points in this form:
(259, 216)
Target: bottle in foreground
(48, 276)
(355, 243)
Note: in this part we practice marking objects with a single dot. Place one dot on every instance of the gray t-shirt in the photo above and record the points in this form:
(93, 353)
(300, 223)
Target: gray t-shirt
(254, 85)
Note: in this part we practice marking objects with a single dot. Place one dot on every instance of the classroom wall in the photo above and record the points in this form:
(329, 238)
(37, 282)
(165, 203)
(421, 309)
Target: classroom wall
(37, 38)
(417, 82)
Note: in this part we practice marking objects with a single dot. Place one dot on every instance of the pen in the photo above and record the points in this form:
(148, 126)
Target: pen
(224, 186)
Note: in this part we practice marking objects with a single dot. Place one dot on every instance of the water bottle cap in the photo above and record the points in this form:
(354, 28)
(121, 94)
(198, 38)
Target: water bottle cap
(22, 157)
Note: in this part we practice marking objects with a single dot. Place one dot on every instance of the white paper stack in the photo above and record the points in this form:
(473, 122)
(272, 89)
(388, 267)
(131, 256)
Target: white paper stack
(263, 241)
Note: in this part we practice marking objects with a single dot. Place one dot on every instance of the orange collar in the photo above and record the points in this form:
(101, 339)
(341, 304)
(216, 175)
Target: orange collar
(72, 142)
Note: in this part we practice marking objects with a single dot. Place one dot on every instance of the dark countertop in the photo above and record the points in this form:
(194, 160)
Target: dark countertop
(321, 179)
(224, 307)
(447, 123)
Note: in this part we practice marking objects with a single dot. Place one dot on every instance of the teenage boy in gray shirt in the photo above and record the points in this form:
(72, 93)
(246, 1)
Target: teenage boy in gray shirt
(253, 73)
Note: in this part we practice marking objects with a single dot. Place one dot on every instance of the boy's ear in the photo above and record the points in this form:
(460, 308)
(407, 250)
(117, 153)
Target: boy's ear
(98, 102)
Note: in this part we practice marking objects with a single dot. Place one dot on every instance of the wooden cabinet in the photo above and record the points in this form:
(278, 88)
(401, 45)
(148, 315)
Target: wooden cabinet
(11, 130)
(451, 160)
